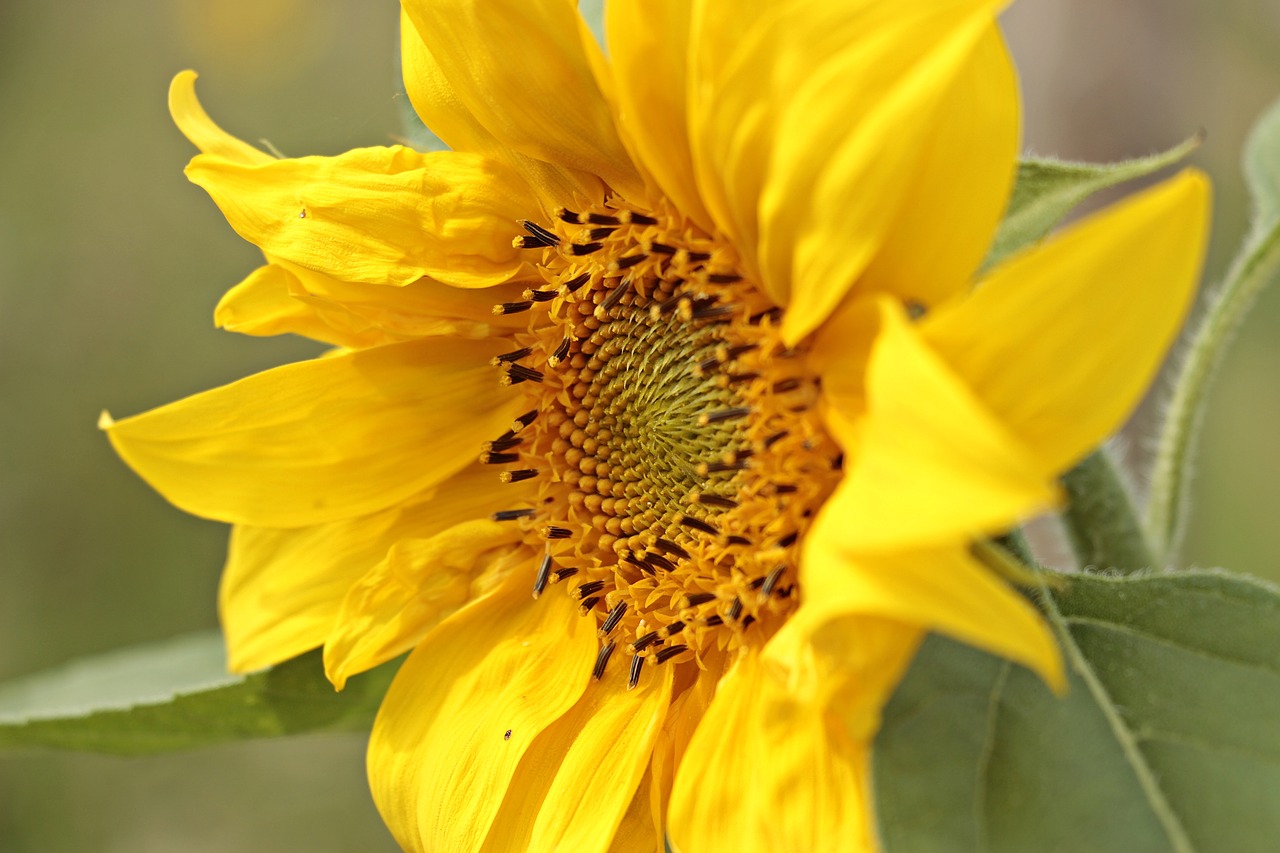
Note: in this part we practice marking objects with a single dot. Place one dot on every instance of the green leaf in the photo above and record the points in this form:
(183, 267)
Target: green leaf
(1047, 190)
(178, 695)
(1167, 740)
(1256, 264)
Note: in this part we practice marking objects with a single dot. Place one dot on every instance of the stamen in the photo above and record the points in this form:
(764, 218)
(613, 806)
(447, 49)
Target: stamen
(669, 652)
(693, 599)
(547, 237)
(518, 373)
(512, 514)
(629, 261)
(589, 589)
(553, 532)
(671, 548)
(633, 678)
(713, 620)
(789, 540)
(723, 415)
(574, 284)
(722, 278)
(611, 299)
(644, 642)
(602, 660)
(660, 562)
(512, 307)
(713, 500)
(706, 310)
(611, 621)
(518, 476)
(785, 385)
(587, 605)
(602, 219)
(735, 609)
(525, 241)
(561, 351)
(585, 248)
(524, 420)
(771, 582)
(660, 248)
(637, 218)
(498, 458)
(514, 355)
(566, 573)
(506, 441)
(565, 215)
(737, 540)
(599, 233)
(699, 257)
(539, 295)
(697, 524)
(774, 439)
(544, 574)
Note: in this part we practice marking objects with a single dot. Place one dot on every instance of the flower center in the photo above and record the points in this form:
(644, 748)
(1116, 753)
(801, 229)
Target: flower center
(673, 440)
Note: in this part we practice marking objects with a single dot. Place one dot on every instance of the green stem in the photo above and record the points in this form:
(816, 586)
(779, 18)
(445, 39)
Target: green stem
(1101, 519)
(1167, 500)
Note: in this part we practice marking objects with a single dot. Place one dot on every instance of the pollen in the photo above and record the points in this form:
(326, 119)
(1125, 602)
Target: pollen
(672, 441)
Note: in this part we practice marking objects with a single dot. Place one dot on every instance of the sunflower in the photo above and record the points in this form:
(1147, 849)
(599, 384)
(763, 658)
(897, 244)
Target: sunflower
(664, 408)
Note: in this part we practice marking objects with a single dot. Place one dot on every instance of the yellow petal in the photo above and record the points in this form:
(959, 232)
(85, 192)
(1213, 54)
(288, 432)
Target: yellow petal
(941, 589)
(963, 177)
(519, 68)
(282, 588)
(1061, 342)
(326, 439)
(468, 705)
(849, 146)
(649, 47)
(580, 775)
(196, 125)
(379, 215)
(638, 833)
(440, 109)
(773, 766)
(682, 721)
(932, 464)
(420, 582)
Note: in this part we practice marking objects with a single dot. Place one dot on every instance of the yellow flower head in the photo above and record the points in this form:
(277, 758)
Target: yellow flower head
(665, 407)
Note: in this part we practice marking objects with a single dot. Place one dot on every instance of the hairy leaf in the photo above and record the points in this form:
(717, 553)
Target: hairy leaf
(1167, 740)
(177, 695)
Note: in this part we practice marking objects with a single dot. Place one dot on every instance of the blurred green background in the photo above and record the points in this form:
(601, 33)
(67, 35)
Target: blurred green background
(110, 265)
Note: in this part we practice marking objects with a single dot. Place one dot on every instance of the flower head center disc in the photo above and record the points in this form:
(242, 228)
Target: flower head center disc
(672, 451)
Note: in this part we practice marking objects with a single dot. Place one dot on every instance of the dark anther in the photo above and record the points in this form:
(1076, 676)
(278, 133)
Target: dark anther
(746, 623)
(518, 373)
(499, 458)
(599, 233)
(518, 476)
(602, 219)
(630, 261)
(742, 377)
(693, 599)
(838, 462)
(512, 514)
(574, 284)
(544, 575)
(659, 561)
(585, 248)
(569, 216)
(789, 540)
(512, 307)
(566, 573)
(613, 297)
(514, 355)
(662, 249)
(553, 532)
(723, 278)
(717, 501)
(641, 219)
(784, 385)
(674, 628)
(525, 241)
(590, 588)
(737, 540)
(561, 351)
(771, 582)
(699, 257)
(602, 660)
(633, 678)
(720, 465)
(669, 652)
(786, 489)
(524, 420)
(666, 306)
(735, 609)
(774, 314)
(706, 366)
(671, 548)
(723, 415)
(646, 641)
(713, 620)
(539, 295)
(547, 237)
(639, 564)
(774, 439)
(587, 604)
(615, 616)
(506, 441)
(697, 524)
(756, 583)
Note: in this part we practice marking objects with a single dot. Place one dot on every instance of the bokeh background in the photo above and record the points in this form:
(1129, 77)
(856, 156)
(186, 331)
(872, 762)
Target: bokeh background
(110, 265)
